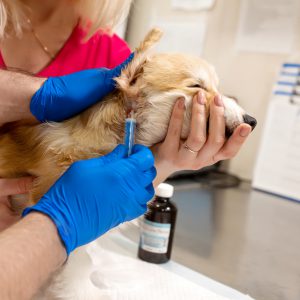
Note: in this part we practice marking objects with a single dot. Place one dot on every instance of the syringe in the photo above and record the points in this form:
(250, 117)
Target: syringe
(130, 125)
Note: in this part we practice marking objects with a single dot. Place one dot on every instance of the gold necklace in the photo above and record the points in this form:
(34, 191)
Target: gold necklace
(43, 46)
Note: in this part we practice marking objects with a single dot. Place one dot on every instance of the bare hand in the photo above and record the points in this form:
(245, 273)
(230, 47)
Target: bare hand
(11, 187)
(172, 155)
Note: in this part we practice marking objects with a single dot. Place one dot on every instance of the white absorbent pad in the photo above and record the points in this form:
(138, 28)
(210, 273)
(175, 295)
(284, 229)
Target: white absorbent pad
(119, 277)
(95, 272)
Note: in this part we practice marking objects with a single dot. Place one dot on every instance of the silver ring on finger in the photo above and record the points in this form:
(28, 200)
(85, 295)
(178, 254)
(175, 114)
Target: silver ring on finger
(189, 149)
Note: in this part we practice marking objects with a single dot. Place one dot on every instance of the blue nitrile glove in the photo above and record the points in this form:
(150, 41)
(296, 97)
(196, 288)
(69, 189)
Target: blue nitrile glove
(95, 195)
(62, 97)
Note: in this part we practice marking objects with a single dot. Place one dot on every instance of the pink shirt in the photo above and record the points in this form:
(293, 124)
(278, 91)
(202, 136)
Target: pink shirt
(101, 50)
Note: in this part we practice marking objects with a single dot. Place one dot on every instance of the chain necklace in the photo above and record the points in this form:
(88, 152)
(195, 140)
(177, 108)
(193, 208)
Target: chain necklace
(43, 46)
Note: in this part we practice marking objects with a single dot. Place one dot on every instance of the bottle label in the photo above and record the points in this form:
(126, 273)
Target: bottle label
(154, 236)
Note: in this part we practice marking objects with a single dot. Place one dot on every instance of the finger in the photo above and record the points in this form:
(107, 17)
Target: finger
(118, 153)
(141, 157)
(148, 176)
(7, 217)
(139, 210)
(147, 194)
(234, 143)
(216, 136)
(175, 125)
(197, 136)
(150, 190)
(117, 70)
(15, 186)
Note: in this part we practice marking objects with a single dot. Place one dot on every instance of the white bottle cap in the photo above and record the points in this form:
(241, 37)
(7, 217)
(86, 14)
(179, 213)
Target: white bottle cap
(164, 190)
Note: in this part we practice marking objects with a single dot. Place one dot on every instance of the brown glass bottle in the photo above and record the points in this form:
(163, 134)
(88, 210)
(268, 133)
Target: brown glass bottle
(157, 227)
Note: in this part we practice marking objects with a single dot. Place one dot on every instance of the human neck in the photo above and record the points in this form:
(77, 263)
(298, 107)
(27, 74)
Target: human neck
(41, 12)
(53, 22)
(43, 8)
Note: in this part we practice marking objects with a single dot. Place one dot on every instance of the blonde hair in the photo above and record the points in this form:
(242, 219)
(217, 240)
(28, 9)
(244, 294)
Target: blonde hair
(11, 17)
(93, 14)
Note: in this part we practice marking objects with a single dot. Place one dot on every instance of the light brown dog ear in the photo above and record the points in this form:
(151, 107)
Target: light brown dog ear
(125, 82)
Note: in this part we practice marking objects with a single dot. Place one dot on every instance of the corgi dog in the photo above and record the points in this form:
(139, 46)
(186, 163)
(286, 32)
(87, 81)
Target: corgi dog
(153, 81)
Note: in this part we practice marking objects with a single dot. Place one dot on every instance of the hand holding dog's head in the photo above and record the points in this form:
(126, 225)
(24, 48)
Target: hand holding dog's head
(156, 81)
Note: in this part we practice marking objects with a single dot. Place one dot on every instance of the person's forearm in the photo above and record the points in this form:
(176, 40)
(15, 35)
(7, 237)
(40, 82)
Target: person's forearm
(16, 90)
(30, 251)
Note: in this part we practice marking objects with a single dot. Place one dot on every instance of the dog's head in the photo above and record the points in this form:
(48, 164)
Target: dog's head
(155, 82)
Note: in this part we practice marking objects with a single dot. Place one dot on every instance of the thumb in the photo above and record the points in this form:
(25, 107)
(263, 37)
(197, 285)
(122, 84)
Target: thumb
(15, 186)
(142, 157)
(117, 70)
(118, 153)
(110, 75)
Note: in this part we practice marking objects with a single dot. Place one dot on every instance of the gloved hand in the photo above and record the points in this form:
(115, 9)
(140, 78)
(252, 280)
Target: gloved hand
(62, 97)
(95, 195)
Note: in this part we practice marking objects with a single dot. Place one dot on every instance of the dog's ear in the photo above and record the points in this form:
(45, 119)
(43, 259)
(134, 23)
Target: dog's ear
(128, 77)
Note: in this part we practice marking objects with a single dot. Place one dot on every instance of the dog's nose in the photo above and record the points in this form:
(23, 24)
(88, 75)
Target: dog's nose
(250, 120)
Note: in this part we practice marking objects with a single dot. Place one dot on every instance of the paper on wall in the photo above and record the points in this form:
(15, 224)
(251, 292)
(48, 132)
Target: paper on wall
(277, 168)
(193, 5)
(182, 36)
(267, 26)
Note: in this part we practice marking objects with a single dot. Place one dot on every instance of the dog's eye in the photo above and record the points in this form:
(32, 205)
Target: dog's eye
(197, 86)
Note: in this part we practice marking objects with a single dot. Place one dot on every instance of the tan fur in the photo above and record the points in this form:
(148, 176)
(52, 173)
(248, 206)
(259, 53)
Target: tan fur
(153, 82)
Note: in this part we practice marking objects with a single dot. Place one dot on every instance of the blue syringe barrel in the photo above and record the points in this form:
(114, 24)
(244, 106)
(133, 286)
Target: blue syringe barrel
(130, 125)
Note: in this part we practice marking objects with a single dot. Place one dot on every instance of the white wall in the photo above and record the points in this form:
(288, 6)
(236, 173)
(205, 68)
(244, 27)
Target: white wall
(120, 30)
(247, 76)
